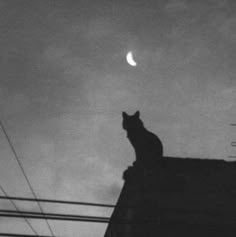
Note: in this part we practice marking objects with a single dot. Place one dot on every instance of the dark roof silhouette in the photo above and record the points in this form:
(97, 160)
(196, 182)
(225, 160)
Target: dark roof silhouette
(171, 196)
(195, 164)
(177, 197)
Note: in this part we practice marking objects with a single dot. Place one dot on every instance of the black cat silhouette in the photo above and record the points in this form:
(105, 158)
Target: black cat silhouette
(147, 145)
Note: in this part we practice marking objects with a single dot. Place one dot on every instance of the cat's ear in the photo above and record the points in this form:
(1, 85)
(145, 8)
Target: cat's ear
(124, 114)
(137, 114)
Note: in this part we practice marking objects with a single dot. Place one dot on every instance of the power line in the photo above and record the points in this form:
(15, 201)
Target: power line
(30, 213)
(58, 201)
(90, 219)
(64, 202)
(97, 219)
(54, 218)
(233, 144)
(18, 210)
(22, 235)
(167, 210)
(23, 172)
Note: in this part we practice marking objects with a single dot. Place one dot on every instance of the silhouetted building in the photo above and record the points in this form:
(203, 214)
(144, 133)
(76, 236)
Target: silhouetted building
(172, 197)
(177, 197)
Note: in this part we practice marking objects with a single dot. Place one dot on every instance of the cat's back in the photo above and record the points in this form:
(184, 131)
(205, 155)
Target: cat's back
(152, 139)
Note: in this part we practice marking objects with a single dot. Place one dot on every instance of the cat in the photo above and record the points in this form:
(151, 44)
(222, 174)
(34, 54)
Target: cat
(148, 147)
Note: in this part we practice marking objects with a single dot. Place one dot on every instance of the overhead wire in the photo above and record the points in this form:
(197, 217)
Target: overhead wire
(56, 215)
(18, 210)
(23, 172)
(45, 217)
(21, 235)
(97, 219)
(58, 201)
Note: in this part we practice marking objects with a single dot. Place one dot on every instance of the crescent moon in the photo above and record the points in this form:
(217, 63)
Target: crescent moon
(130, 59)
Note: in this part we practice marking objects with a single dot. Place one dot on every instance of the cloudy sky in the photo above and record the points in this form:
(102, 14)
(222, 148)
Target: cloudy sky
(64, 82)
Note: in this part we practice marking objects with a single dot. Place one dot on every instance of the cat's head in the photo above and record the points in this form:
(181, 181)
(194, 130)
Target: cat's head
(131, 121)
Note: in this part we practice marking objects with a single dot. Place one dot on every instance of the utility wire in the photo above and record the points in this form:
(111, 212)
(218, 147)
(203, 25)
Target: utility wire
(23, 172)
(170, 210)
(45, 217)
(67, 202)
(95, 220)
(54, 215)
(85, 218)
(22, 235)
(58, 201)
(18, 210)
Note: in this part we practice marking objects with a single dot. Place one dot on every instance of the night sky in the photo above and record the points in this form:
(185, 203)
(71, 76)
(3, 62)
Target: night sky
(64, 82)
